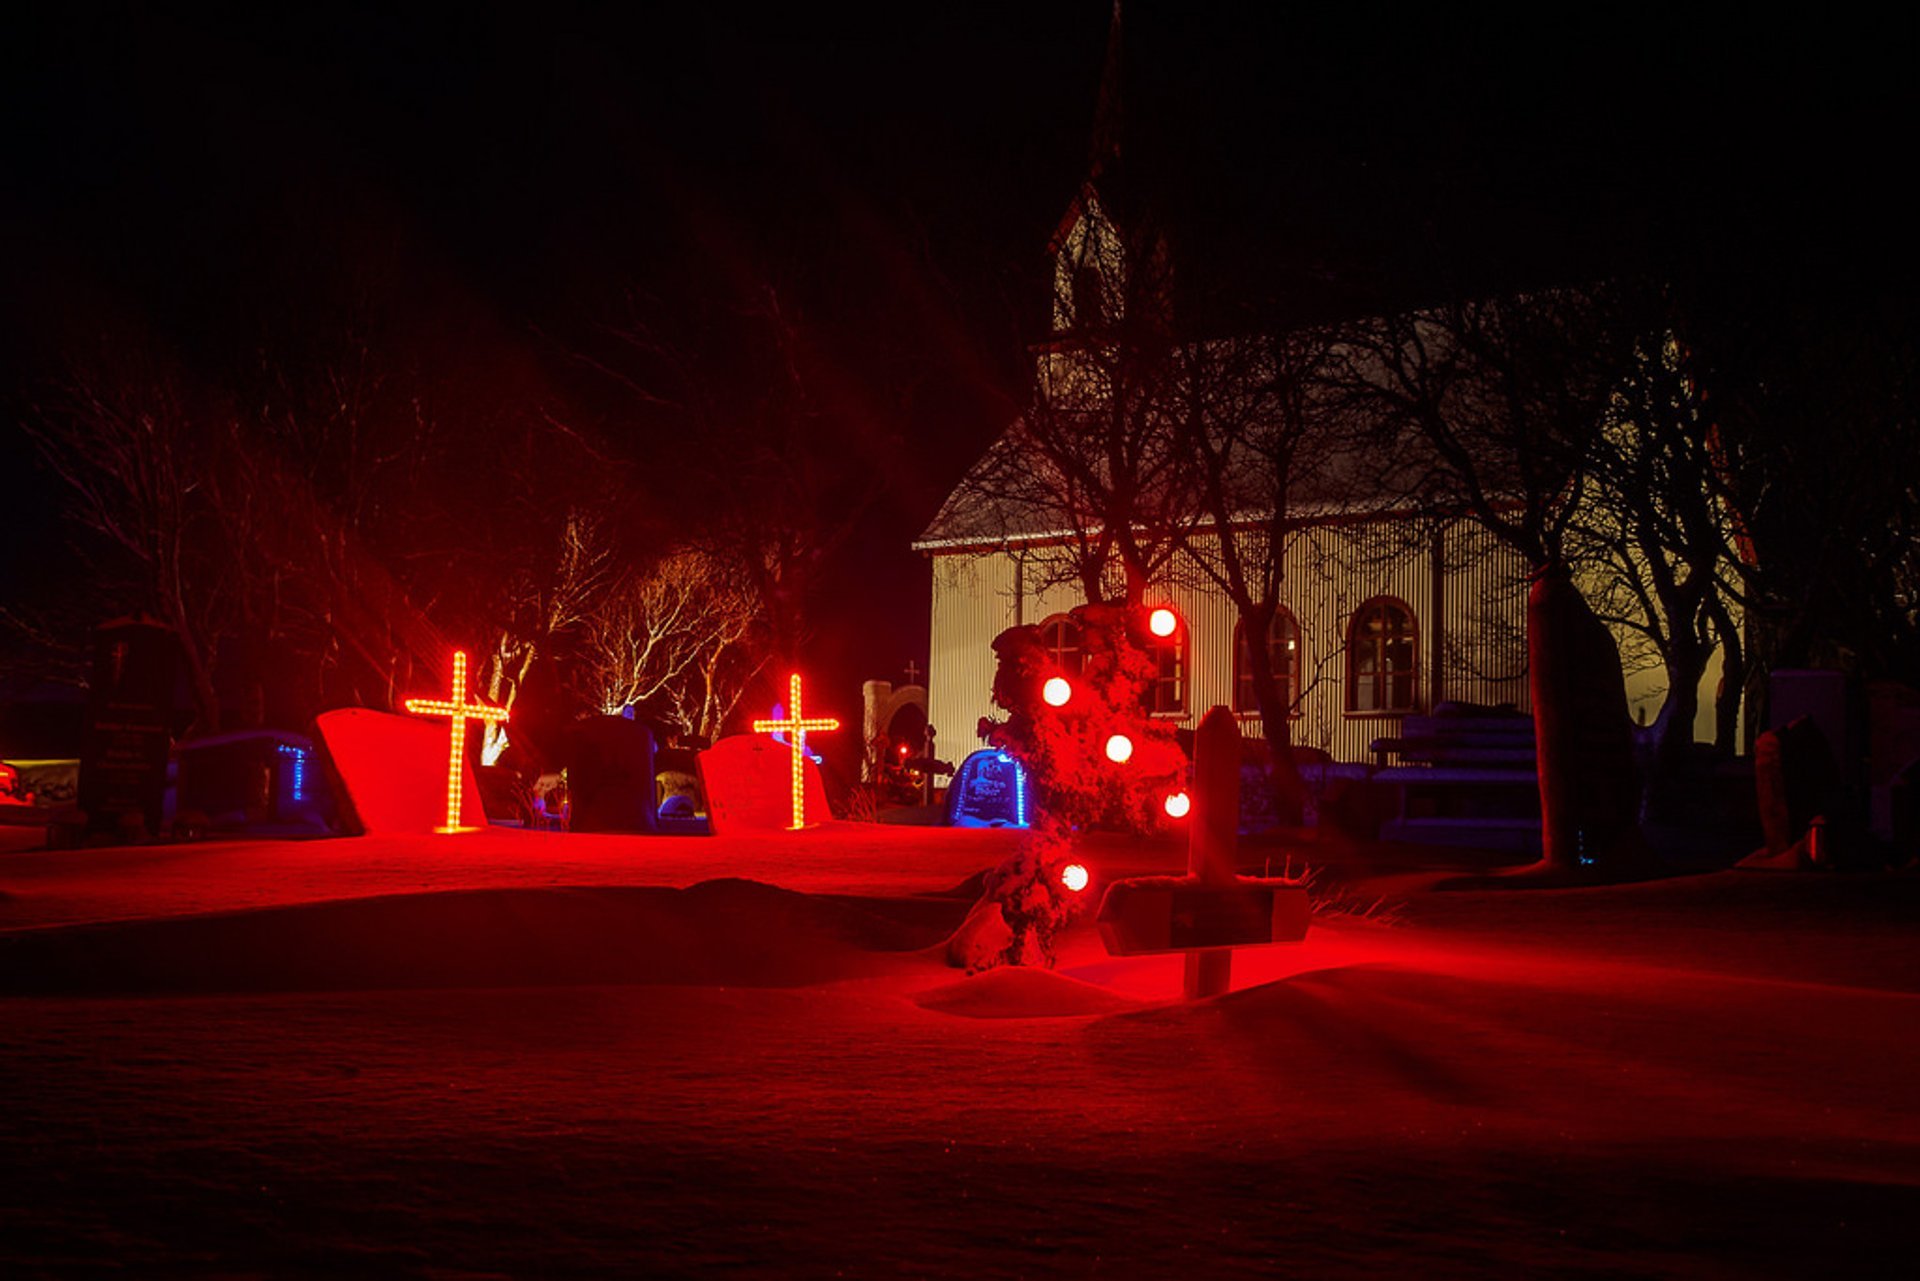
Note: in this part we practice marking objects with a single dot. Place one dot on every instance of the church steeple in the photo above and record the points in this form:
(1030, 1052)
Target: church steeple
(1107, 116)
(1110, 258)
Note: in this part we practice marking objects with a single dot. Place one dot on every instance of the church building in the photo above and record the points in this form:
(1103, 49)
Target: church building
(1387, 611)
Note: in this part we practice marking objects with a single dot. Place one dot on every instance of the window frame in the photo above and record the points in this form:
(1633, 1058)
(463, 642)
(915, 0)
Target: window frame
(1056, 651)
(1290, 670)
(1383, 678)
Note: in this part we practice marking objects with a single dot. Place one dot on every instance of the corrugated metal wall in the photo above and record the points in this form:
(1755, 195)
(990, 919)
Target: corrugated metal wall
(973, 601)
(1331, 572)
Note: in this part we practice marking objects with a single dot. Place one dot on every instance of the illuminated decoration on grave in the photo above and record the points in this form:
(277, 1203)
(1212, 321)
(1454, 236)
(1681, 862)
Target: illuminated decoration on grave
(296, 771)
(1057, 691)
(461, 712)
(1163, 622)
(1074, 877)
(1177, 805)
(1019, 790)
(1119, 749)
(796, 727)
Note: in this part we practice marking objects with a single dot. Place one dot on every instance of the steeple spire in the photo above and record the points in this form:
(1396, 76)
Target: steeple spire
(1106, 112)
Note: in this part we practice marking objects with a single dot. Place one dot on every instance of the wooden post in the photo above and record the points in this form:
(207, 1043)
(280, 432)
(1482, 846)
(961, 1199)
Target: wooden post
(1213, 836)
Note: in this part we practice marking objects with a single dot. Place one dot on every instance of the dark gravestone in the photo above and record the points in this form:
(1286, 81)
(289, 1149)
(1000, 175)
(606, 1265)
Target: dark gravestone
(265, 782)
(610, 775)
(990, 790)
(1796, 781)
(123, 762)
(1589, 796)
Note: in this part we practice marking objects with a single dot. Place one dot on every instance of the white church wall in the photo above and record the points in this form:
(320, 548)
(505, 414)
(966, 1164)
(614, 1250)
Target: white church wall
(1331, 572)
(973, 601)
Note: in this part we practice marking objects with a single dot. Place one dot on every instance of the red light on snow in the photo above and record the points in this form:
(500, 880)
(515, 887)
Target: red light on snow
(1057, 691)
(796, 727)
(1074, 877)
(1177, 805)
(461, 711)
(1163, 622)
(1119, 749)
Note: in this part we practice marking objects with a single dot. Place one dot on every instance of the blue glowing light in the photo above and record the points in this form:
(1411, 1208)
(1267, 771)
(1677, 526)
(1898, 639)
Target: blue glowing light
(296, 771)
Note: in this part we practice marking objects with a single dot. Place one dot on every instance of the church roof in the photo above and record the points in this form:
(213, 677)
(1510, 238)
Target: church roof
(1013, 494)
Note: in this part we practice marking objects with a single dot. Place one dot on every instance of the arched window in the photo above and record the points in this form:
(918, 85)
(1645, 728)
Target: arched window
(1283, 651)
(1061, 635)
(1381, 646)
(1168, 693)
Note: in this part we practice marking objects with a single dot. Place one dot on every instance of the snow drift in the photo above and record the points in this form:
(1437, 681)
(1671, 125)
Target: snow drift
(716, 933)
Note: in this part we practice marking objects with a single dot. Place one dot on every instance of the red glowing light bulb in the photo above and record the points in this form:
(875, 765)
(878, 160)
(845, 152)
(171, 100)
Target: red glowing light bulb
(1119, 749)
(1074, 876)
(1057, 691)
(1177, 805)
(1163, 622)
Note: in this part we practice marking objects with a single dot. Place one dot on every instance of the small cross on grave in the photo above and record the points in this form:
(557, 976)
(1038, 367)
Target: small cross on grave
(461, 711)
(1211, 909)
(796, 727)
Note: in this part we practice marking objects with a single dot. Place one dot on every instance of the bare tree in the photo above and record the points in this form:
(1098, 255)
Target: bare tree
(1504, 400)
(1097, 463)
(1656, 541)
(553, 594)
(676, 638)
(137, 454)
(1267, 420)
(778, 453)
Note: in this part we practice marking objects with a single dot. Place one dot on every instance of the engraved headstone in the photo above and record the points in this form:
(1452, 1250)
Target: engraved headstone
(123, 763)
(990, 790)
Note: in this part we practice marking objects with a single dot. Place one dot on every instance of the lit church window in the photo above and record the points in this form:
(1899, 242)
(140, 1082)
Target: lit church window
(1380, 657)
(1283, 652)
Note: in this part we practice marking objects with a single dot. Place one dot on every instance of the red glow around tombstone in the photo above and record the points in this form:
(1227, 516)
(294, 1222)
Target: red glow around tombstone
(461, 711)
(796, 727)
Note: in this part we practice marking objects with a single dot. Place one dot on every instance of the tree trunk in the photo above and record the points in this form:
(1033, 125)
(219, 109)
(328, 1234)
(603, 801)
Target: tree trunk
(1583, 734)
(1672, 755)
(1733, 682)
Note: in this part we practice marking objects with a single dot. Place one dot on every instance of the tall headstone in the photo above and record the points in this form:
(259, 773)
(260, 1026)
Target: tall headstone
(610, 775)
(1583, 734)
(123, 763)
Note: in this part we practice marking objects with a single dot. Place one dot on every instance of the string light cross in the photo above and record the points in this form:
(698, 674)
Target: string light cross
(797, 727)
(461, 711)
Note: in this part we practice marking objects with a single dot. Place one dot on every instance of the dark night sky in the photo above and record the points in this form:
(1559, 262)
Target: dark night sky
(520, 168)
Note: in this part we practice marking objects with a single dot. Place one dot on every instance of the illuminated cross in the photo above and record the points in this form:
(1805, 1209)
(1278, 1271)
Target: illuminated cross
(461, 711)
(797, 727)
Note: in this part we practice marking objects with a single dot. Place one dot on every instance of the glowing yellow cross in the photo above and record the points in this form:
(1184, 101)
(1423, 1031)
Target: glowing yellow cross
(461, 711)
(797, 727)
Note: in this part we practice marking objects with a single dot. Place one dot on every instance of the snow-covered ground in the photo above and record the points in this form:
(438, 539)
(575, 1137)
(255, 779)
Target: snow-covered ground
(511, 1054)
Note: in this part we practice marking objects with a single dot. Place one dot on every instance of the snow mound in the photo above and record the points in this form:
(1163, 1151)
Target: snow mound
(717, 933)
(1022, 992)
